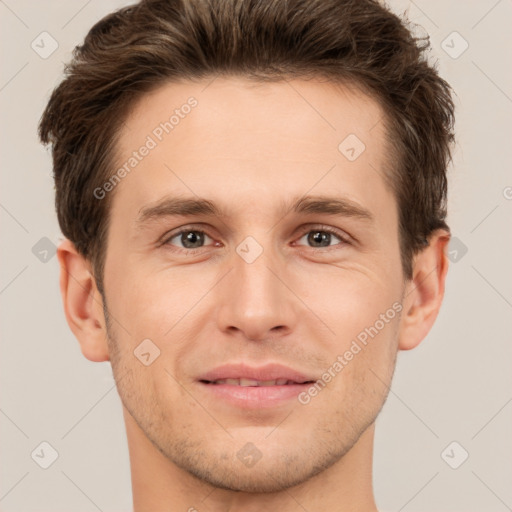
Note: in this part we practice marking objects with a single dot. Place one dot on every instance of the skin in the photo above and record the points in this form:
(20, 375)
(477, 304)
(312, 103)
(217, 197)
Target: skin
(252, 148)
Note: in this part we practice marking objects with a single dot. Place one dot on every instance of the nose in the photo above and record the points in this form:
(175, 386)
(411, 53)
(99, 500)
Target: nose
(256, 301)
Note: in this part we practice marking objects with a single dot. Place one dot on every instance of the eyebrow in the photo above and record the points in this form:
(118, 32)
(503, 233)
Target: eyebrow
(185, 207)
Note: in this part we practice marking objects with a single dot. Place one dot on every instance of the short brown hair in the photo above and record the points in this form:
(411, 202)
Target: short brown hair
(137, 48)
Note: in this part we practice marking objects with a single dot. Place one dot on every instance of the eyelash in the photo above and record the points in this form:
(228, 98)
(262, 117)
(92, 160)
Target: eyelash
(344, 239)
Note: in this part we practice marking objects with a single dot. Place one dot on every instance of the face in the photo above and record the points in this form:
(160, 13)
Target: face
(269, 309)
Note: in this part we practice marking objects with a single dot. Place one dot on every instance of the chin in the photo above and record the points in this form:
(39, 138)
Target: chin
(276, 473)
(251, 480)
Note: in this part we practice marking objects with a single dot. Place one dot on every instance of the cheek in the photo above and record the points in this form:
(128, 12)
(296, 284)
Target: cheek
(150, 301)
(164, 315)
(349, 300)
(363, 311)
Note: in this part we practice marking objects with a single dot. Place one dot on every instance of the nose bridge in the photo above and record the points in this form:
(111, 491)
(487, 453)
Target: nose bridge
(254, 300)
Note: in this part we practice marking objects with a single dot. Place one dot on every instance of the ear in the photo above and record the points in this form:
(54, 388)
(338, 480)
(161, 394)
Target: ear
(424, 292)
(83, 304)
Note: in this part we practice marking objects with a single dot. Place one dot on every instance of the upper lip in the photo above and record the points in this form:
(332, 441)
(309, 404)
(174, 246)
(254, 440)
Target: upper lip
(260, 373)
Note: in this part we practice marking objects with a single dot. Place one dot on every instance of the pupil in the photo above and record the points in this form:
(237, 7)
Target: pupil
(320, 237)
(192, 237)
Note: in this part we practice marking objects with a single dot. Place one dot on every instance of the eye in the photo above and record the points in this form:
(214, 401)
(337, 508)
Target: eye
(188, 238)
(322, 236)
(318, 237)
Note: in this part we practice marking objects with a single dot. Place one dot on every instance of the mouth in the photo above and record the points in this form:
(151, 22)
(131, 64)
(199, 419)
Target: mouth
(246, 387)
(243, 382)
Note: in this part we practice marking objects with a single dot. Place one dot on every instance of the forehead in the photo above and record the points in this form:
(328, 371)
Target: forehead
(322, 111)
(238, 141)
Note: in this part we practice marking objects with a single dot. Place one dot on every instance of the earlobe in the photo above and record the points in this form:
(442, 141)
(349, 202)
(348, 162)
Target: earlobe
(83, 304)
(424, 293)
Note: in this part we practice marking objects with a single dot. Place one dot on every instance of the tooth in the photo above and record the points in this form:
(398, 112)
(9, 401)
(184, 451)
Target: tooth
(267, 383)
(248, 382)
(281, 382)
(232, 382)
(220, 381)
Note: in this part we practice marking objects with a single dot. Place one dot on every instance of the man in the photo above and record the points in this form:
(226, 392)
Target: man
(253, 196)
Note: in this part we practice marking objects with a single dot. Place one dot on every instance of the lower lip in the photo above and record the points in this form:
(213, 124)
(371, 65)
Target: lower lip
(255, 396)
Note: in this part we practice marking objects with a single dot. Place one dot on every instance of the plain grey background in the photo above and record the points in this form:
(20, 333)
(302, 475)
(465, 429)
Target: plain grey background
(451, 397)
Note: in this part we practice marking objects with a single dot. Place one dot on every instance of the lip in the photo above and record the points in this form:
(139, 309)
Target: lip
(254, 397)
(261, 373)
